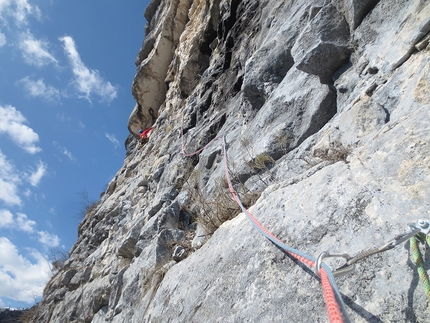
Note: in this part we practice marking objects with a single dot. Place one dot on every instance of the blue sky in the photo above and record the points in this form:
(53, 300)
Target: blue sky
(66, 68)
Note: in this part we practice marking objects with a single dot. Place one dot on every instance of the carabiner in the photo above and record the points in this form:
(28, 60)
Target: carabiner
(345, 269)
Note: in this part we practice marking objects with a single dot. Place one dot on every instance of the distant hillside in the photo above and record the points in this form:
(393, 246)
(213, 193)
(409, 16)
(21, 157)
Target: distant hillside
(10, 316)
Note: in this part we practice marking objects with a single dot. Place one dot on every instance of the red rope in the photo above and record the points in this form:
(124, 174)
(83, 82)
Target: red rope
(333, 309)
(197, 151)
(183, 144)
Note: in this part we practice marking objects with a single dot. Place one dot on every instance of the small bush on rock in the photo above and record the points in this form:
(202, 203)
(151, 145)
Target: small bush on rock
(214, 210)
(261, 162)
(336, 152)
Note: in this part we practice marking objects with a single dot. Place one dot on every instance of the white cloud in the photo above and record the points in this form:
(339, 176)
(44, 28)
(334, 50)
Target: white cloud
(24, 224)
(64, 151)
(112, 139)
(19, 10)
(12, 123)
(9, 180)
(27, 192)
(2, 39)
(35, 51)
(87, 81)
(20, 222)
(9, 193)
(24, 9)
(35, 177)
(40, 89)
(6, 219)
(48, 239)
(68, 154)
(20, 278)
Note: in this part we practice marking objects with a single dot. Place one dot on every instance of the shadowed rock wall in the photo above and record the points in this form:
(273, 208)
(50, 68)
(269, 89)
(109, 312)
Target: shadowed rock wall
(324, 106)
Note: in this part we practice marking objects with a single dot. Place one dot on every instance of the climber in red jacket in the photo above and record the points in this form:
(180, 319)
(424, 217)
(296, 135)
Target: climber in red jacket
(144, 135)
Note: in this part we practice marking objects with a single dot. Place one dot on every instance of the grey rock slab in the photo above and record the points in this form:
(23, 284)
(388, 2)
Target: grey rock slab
(348, 134)
(298, 108)
(323, 47)
(326, 212)
(355, 10)
(265, 70)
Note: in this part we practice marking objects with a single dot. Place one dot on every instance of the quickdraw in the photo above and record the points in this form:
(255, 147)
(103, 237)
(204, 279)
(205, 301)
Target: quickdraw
(421, 226)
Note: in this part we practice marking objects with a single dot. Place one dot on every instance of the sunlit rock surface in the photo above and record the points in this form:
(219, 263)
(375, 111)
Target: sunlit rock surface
(325, 109)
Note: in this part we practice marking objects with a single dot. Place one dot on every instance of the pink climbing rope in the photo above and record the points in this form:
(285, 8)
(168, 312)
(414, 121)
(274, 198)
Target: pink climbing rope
(334, 311)
(183, 144)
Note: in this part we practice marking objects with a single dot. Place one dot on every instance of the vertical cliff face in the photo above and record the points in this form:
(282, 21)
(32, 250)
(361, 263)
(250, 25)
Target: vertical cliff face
(324, 108)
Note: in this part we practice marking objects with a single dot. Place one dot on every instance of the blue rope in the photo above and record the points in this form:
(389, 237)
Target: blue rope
(285, 247)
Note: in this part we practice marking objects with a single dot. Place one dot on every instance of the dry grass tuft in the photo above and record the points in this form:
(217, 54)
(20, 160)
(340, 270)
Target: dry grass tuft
(335, 153)
(29, 315)
(261, 161)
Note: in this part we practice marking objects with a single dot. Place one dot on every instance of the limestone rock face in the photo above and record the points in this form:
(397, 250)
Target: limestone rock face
(322, 48)
(324, 106)
(154, 59)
